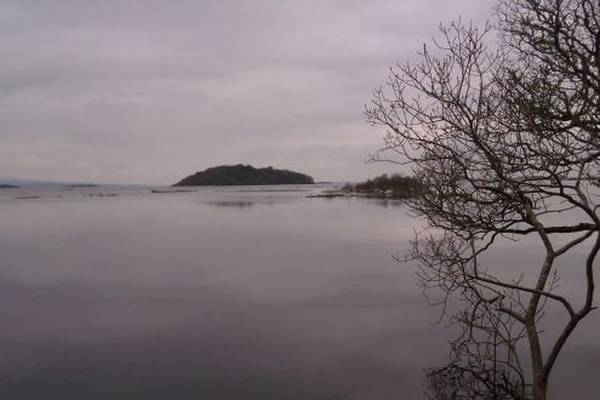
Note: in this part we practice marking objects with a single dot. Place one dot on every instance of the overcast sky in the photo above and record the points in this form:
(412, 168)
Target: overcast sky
(151, 91)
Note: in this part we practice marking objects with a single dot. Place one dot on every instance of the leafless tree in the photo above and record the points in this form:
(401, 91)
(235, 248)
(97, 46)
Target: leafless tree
(501, 126)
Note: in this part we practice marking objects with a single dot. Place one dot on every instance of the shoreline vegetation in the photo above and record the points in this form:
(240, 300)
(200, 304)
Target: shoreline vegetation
(393, 187)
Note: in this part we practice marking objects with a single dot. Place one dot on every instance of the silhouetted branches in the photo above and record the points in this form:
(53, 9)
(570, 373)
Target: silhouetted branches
(502, 137)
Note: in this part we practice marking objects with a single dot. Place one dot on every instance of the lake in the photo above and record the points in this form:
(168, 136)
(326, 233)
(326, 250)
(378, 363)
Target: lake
(221, 293)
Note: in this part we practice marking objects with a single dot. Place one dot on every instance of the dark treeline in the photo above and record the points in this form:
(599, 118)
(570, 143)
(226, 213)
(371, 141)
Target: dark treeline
(395, 186)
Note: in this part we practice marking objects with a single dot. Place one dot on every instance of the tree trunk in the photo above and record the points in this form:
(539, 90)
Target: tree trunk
(540, 381)
(539, 389)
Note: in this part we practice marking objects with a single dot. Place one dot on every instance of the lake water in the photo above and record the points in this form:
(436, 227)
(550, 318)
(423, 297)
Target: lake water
(230, 293)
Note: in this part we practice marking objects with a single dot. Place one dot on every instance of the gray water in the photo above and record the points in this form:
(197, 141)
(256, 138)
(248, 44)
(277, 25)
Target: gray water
(220, 294)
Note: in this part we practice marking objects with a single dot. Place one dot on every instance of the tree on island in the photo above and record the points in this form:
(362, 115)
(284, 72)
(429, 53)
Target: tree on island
(503, 137)
(395, 186)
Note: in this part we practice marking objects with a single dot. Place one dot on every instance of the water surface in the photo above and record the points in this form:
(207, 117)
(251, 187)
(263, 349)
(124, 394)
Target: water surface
(247, 293)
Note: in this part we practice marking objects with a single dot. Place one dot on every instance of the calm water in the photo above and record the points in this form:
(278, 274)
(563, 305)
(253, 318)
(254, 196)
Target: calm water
(220, 294)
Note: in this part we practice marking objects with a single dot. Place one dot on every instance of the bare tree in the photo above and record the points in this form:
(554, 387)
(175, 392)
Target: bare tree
(503, 135)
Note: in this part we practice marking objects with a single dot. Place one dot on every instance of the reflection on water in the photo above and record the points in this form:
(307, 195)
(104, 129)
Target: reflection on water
(239, 203)
(234, 204)
(181, 297)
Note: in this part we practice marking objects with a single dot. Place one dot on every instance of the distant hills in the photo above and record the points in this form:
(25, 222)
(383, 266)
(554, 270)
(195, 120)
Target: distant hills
(8, 182)
(240, 174)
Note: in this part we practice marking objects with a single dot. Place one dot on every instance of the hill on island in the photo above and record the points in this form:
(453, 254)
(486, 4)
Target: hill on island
(240, 174)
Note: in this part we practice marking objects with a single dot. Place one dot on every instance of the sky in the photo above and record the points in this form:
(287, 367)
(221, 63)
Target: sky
(132, 91)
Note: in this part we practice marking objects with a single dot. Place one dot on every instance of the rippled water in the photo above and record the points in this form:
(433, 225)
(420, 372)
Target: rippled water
(218, 294)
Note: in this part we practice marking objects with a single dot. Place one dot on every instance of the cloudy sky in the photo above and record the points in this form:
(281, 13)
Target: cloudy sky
(150, 91)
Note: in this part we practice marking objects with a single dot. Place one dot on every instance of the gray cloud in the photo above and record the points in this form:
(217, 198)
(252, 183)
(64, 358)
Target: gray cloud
(149, 91)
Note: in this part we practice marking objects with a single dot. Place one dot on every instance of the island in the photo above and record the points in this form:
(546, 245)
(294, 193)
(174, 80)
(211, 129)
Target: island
(395, 186)
(228, 175)
(6, 186)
